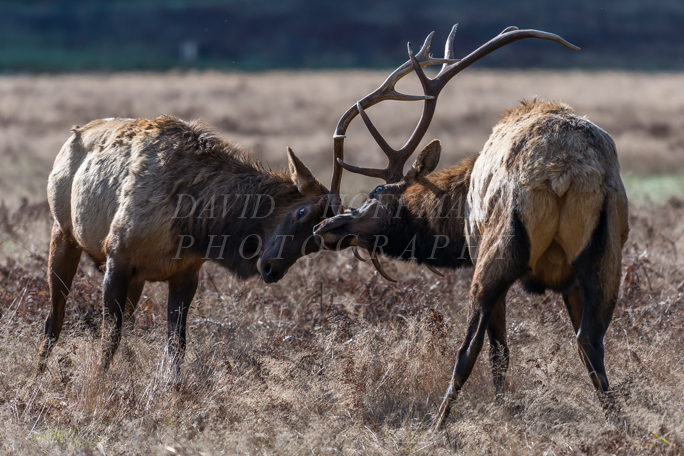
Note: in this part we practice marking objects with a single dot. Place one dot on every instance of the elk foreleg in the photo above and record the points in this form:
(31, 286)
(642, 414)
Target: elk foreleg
(62, 266)
(503, 258)
(182, 288)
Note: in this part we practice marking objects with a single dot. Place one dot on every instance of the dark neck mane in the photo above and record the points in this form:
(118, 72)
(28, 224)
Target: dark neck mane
(233, 196)
(434, 212)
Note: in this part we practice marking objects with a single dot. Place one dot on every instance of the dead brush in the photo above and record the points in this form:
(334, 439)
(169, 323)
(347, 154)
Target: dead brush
(258, 379)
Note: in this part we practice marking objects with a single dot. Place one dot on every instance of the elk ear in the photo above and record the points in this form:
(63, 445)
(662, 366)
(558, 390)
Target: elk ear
(427, 160)
(306, 182)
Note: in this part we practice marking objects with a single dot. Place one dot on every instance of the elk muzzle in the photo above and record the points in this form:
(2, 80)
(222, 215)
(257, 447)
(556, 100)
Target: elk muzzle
(334, 233)
(344, 230)
(272, 269)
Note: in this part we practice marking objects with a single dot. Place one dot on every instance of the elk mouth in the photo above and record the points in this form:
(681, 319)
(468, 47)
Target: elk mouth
(334, 233)
(342, 231)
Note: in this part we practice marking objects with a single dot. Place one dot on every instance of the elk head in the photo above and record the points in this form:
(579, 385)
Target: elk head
(292, 238)
(361, 227)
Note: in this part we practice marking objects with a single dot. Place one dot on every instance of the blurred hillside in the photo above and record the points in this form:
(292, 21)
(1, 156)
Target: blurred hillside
(69, 35)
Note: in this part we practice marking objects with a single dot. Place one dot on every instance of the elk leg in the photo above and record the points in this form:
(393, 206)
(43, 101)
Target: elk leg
(589, 342)
(573, 302)
(62, 267)
(498, 265)
(182, 288)
(592, 329)
(135, 289)
(498, 347)
(483, 304)
(590, 339)
(116, 285)
(598, 273)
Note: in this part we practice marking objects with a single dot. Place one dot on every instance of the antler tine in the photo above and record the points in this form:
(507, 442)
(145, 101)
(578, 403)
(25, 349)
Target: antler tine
(370, 172)
(424, 51)
(386, 148)
(422, 77)
(434, 270)
(449, 45)
(381, 270)
(356, 253)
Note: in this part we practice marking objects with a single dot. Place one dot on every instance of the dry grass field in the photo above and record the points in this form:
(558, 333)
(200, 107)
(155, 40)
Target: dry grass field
(333, 359)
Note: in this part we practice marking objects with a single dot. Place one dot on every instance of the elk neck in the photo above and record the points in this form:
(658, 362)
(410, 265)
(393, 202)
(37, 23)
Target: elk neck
(235, 196)
(433, 212)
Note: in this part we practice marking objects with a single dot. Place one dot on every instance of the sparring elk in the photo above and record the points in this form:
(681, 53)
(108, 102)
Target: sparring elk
(543, 203)
(152, 200)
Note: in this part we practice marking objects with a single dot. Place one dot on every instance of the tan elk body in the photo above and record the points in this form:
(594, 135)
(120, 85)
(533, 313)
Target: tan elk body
(556, 171)
(544, 204)
(152, 200)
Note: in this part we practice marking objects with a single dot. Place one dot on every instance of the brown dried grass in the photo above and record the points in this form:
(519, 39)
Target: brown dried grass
(278, 370)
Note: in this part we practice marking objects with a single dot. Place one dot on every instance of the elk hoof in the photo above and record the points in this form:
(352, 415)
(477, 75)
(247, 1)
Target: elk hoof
(444, 410)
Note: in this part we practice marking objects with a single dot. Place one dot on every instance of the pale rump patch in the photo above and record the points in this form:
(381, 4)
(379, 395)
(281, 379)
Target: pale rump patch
(551, 166)
(578, 219)
(539, 213)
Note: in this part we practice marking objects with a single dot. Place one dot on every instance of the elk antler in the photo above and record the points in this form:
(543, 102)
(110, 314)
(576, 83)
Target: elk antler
(378, 266)
(433, 269)
(393, 172)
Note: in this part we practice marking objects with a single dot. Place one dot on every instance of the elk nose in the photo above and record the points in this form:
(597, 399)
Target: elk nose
(272, 273)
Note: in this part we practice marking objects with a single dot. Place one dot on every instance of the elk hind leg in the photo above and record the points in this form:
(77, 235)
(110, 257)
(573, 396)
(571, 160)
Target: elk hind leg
(498, 346)
(135, 290)
(62, 266)
(575, 306)
(598, 274)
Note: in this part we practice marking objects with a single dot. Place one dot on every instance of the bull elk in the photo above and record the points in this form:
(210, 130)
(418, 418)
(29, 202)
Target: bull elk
(152, 200)
(543, 202)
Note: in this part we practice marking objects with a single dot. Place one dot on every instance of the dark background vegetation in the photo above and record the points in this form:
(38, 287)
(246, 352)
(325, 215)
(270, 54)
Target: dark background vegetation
(69, 35)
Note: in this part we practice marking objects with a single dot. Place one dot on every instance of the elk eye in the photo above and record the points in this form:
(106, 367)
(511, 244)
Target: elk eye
(377, 190)
(301, 213)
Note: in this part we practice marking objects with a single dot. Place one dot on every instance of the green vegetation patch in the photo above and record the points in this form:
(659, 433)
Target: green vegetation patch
(657, 188)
